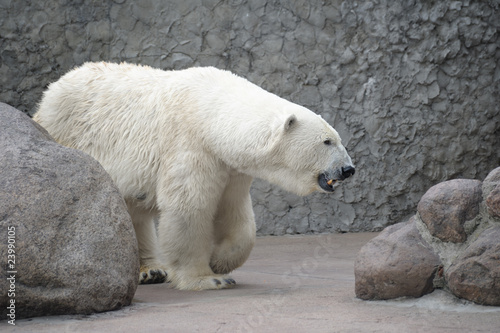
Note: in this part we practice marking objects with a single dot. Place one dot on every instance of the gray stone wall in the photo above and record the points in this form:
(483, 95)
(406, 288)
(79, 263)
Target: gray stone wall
(411, 86)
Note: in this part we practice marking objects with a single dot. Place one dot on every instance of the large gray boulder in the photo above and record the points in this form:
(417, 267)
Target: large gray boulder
(72, 244)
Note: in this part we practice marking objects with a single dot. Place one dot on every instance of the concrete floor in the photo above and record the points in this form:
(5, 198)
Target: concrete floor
(289, 284)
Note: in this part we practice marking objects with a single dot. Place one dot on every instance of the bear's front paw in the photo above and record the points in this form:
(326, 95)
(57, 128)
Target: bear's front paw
(149, 275)
(204, 282)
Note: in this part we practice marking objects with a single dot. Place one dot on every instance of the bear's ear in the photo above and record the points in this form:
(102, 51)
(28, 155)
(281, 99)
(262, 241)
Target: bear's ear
(281, 125)
(290, 122)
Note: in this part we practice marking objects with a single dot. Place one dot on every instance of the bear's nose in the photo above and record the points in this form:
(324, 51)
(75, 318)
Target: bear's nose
(348, 171)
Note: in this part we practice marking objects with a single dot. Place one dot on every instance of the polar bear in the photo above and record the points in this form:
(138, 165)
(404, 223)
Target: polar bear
(184, 146)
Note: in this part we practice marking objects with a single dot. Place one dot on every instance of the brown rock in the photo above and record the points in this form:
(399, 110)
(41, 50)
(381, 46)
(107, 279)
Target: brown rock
(475, 275)
(445, 208)
(396, 263)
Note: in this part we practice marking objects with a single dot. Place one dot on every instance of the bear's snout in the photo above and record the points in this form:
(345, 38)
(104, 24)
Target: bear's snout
(347, 171)
(328, 180)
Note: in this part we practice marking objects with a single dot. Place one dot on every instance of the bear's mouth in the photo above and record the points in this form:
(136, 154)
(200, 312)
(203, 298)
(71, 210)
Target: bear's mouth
(327, 184)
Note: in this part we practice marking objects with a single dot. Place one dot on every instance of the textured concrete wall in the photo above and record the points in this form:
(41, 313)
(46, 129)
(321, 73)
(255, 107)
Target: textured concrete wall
(411, 86)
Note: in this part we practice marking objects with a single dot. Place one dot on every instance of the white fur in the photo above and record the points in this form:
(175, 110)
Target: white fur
(185, 145)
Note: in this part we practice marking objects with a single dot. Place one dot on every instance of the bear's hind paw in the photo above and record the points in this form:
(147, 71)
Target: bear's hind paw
(149, 275)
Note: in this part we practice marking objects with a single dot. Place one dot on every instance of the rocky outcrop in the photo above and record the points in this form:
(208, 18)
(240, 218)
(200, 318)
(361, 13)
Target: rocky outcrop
(453, 241)
(71, 244)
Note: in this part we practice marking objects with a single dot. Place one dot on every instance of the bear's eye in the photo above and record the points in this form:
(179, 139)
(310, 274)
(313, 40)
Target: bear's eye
(327, 142)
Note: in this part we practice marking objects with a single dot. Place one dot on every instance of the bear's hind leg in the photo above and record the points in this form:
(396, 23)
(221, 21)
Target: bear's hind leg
(151, 270)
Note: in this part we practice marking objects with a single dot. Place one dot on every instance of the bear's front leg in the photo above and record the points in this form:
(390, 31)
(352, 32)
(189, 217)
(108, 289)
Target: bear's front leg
(188, 203)
(186, 246)
(234, 226)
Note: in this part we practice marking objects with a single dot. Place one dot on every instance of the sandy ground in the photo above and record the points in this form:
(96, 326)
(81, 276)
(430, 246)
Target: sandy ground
(289, 284)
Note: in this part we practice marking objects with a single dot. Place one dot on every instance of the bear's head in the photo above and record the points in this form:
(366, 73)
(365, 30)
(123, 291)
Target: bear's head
(307, 154)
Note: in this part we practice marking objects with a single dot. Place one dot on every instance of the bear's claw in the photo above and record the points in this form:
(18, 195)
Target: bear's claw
(230, 281)
(150, 276)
